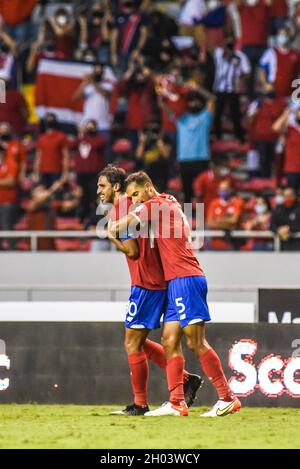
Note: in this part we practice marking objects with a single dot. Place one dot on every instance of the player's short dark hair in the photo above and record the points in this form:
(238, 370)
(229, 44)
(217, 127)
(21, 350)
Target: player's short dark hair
(140, 177)
(114, 175)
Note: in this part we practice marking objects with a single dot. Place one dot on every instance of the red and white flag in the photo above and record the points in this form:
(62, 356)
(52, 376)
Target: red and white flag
(56, 83)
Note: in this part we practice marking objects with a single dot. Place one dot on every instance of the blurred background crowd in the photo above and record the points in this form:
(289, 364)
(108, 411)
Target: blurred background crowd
(202, 94)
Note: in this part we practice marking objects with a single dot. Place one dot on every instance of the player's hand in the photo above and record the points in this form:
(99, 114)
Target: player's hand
(111, 231)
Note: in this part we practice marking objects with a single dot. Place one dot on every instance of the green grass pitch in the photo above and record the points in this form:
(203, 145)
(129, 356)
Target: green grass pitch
(74, 426)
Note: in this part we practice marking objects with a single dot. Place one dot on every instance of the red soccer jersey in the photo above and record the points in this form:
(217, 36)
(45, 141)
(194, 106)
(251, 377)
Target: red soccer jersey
(51, 146)
(172, 232)
(147, 270)
(255, 23)
(206, 186)
(288, 67)
(292, 150)
(8, 195)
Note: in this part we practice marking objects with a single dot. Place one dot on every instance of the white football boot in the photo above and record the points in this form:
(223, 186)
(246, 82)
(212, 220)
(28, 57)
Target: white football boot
(222, 408)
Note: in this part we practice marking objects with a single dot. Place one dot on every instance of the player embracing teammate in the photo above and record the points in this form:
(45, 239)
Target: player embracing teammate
(186, 294)
(147, 300)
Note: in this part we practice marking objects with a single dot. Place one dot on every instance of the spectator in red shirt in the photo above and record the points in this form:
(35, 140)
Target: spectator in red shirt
(88, 162)
(15, 110)
(254, 19)
(262, 114)
(14, 149)
(206, 184)
(52, 158)
(66, 32)
(289, 122)
(258, 218)
(280, 65)
(138, 87)
(172, 94)
(224, 213)
(8, 194)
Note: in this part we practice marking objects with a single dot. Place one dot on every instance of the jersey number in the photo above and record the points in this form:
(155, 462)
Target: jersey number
(180, 305)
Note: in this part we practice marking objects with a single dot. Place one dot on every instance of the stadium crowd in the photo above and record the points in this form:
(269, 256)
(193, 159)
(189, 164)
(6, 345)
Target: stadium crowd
(193, 92)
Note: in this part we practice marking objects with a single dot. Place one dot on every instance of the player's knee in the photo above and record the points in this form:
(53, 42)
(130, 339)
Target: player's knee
(132, 345)
(191, 343)
(168, 343)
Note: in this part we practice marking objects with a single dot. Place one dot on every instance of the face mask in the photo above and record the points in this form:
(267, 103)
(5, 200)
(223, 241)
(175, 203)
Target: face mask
(62, 20)
(230, 46)
(289, 202)
(224, 172)
(194, 109)
(5, 137)
(251, 3)
(98, 15)
(260, 209)
(212, 4)
(89, 58)
(91, 131)
(282, 40)
(98, 76)
(224, 195)
(51, 125)
(279, 199)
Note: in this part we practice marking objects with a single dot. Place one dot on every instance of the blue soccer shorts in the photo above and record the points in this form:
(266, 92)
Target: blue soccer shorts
(186, 301)
(145, 308)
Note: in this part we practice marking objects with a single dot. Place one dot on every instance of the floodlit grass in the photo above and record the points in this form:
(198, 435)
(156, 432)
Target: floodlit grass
(73, 426)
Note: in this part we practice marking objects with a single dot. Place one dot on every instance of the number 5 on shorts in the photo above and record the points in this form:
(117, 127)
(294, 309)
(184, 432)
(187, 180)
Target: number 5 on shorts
(180, 305)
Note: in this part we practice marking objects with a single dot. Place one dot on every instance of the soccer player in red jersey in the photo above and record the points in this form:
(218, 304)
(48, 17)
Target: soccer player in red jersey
(147, 299)
(187, 290)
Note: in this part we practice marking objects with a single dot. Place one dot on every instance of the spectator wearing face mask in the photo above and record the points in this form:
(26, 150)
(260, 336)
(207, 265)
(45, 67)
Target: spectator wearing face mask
(129, 35)
(258, 219)
(14, 149)
(66, 32)
(231, 66)
(96, 90)
(261, 114)
(99, 31)
(280, 66)
(224, 213)
(254, 21)
(137, 86)
(88, 161)
(286, 221)
(52, 159)
(206, 184)
(289, 124)
(193, 132)
(153, 154)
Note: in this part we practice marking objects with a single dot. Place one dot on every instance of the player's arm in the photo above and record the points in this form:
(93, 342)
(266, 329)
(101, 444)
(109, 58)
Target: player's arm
(129, 247)
(122, 225)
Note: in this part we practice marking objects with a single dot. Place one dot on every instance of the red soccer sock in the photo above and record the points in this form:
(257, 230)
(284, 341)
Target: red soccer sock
(175, 379)
(155, 352)
(211, 365)
(139, 374)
